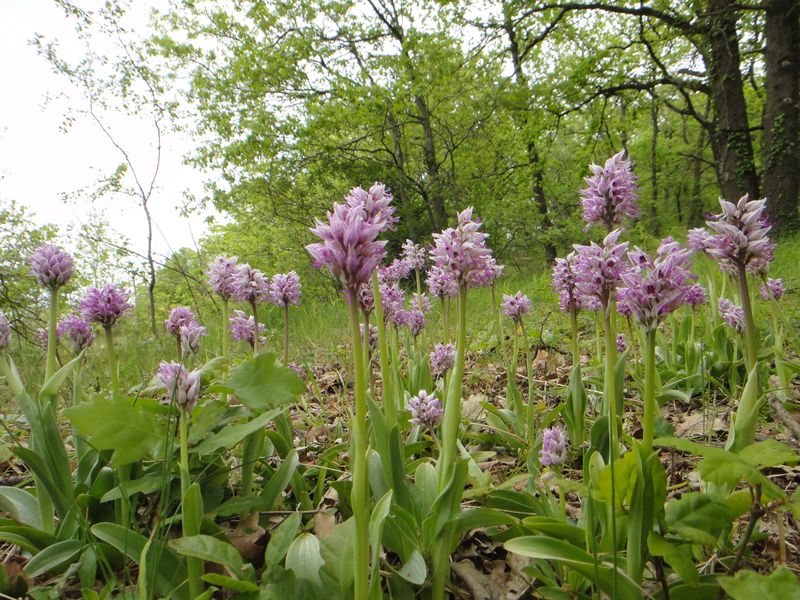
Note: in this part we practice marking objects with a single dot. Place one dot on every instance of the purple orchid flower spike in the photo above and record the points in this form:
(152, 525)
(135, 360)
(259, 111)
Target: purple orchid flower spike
(52, 267)
(611, 193)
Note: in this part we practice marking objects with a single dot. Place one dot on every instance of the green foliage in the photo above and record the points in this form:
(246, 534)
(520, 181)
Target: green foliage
(119, 425)
(260, 384)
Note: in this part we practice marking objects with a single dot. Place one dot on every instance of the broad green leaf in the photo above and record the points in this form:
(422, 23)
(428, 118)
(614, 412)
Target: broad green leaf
(304, 558)
(229, 583)
(698, 518)
(546, 548)
(747, 585)
(482, 517)
(118, 426)
(52, 385)
(269, 495)
(743, 428)
(376, 519)
(170, 576)
(145, 485)
(231, 435)
(211, 549)
(281, 539)
(19, 540)
(556, 528)
(414, 570)
(53, 557)
(261, 384)
(21, 505)
(769, 453)
(678, 556)
(40, 539)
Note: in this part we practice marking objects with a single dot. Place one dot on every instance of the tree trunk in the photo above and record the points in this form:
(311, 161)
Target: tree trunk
(530, 144)
(431, 163)
(781, 168)
(151, 269)
(733, 144)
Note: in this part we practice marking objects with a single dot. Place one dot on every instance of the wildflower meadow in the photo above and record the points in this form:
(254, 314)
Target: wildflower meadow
(371, 384)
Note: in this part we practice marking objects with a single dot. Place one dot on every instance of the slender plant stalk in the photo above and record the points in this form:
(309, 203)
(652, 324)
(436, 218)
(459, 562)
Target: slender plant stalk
(450, 422)
(530, 411)
(573, 321)
(497, 317)
(253, 443)
(112, 364)
(255, 328)
(387, 377)
(611, 401)
(365, 351)
(224, 333)
(452, 408)
(123, 471)
(649, 409)
(80, 444)
(52, 339)
(445, 320)
(751, 344)
(194, 566)
(286, 335)
(359, 460)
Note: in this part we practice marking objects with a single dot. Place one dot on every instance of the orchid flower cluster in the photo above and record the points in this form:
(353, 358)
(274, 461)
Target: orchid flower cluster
(183, 325)
(611, 193)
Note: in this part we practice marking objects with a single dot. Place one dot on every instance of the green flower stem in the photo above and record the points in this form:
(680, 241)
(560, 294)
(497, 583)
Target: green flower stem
(80, 444)
(112, 364)
(419, 281)
(255, 328)
(511, 369)
(286, 335)
(611, 405)
(52, 339)
(497, 318)
(365, 350)
(597, 327)
(387, 377)
(452, 407)
(359, 460)
(445, 320)
(224, 332)
(183, 429)
(751, 344)
(180, 348)
(530, 411)
(783, 375)
(194, 566)
(649, 409)
(573, 321)
(450, 422)
(253, 443)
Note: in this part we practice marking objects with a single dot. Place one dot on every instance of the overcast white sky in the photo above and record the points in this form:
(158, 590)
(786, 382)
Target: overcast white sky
(38, 162)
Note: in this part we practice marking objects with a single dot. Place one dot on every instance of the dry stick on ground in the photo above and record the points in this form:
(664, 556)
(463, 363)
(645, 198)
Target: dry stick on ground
(786, 418)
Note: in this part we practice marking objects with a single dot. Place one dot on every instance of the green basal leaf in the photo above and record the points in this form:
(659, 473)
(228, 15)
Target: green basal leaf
(117, 425)
(261, 384)
(211, 549)
(281, 539)
(677, 555)
(747, 585)
(546, 548)
(305, 559)
(53, 558)
(698, 518)
(231, 435)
